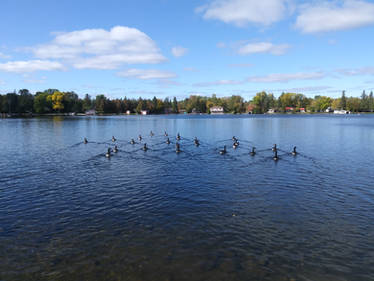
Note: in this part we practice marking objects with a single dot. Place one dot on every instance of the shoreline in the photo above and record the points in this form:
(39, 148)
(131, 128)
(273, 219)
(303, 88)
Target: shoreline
(33, 115)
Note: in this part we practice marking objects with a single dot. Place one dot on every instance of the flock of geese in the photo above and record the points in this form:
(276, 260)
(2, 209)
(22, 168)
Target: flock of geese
(223, 151)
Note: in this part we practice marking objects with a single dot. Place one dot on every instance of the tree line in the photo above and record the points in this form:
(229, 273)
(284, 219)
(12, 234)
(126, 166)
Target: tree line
(55, 101)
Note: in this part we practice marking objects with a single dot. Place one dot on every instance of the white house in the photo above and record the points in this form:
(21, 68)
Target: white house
(128, 112)
(144, 112)
(91, 112)
(271, 111)
(216, 110)
(342, 111)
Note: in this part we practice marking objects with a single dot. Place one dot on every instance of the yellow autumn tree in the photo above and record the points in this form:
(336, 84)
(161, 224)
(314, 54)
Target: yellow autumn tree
(57, 101)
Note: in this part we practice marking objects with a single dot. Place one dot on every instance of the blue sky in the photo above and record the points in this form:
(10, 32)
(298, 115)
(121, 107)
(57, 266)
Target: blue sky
(177, 48)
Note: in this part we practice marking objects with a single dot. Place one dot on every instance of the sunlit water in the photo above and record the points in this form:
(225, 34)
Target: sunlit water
(69, 213)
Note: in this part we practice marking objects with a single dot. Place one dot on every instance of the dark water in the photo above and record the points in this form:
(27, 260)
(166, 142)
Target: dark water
(68, 213)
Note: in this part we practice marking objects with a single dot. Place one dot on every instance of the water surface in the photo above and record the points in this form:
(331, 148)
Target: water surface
(69, 213)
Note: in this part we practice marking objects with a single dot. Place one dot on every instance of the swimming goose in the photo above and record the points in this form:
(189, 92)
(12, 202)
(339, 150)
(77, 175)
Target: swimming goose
(178, 137)
(85, 141)
(132, 141)
(223, 151)
(177, 148)
(274, 148)
(145, 148)
(294, 152)
(235, 145)
(140, 138)
(165, 134)
(152, 134)
(108, 154)
(275, 158)
(113, 139)
(115, 150)
(196, 141)
(168, 141)
(253, 152)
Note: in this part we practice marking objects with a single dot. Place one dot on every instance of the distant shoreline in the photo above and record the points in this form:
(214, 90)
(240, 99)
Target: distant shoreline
(33, 115)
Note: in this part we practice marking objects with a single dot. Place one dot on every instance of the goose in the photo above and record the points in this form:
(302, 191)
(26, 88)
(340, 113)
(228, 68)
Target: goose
(145, 148)
(152, 134)
(223, 151)
(165, 134)
(253, 152)
(113, 139)
(85, 141)
(115, 150)
(275, 158)
(178, 137)
(177, 148)
(235, 145)
(140, 138)
(294, 152)
(132, 141)
(274, 148)
(108, 154)
(196, 141)
(168, 141)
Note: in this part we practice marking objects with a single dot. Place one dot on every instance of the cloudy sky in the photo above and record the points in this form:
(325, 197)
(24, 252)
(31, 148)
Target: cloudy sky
(176, 48)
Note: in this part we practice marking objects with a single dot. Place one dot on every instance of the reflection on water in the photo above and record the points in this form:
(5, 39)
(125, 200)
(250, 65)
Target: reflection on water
(68, 213)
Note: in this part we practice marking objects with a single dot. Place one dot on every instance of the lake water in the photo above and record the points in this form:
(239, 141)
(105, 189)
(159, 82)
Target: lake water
(69, 213)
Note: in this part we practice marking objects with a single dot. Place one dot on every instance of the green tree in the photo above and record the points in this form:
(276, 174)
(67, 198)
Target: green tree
(343, 101)
(175, 105)
(42, 104)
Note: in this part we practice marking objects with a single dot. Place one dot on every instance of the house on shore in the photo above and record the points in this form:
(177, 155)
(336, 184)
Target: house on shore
(289, 109)
(329, 110)
(271, 111)
(341, 111)
(144, 112)
(91, 112)
(302, 110)
(216, 110)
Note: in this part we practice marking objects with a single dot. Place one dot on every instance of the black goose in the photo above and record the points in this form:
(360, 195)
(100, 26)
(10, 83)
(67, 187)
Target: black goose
(145, 148)
(275, 158)
(253, 152)
(108, 153)
(177, 148)
(223, 151)
(196, 141)
(294, 152)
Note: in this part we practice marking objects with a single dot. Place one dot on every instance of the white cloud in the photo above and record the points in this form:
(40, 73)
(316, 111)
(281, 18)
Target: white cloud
(179, 51)
(218, 83)
(263, 47)
(221, 45)
(242, 12)
(356, 71)
(191, 69)
(241, 65)
(4, 56)
(101, 49)
(334, 15)
(30, 66)
(146, 74)
(286, 77)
